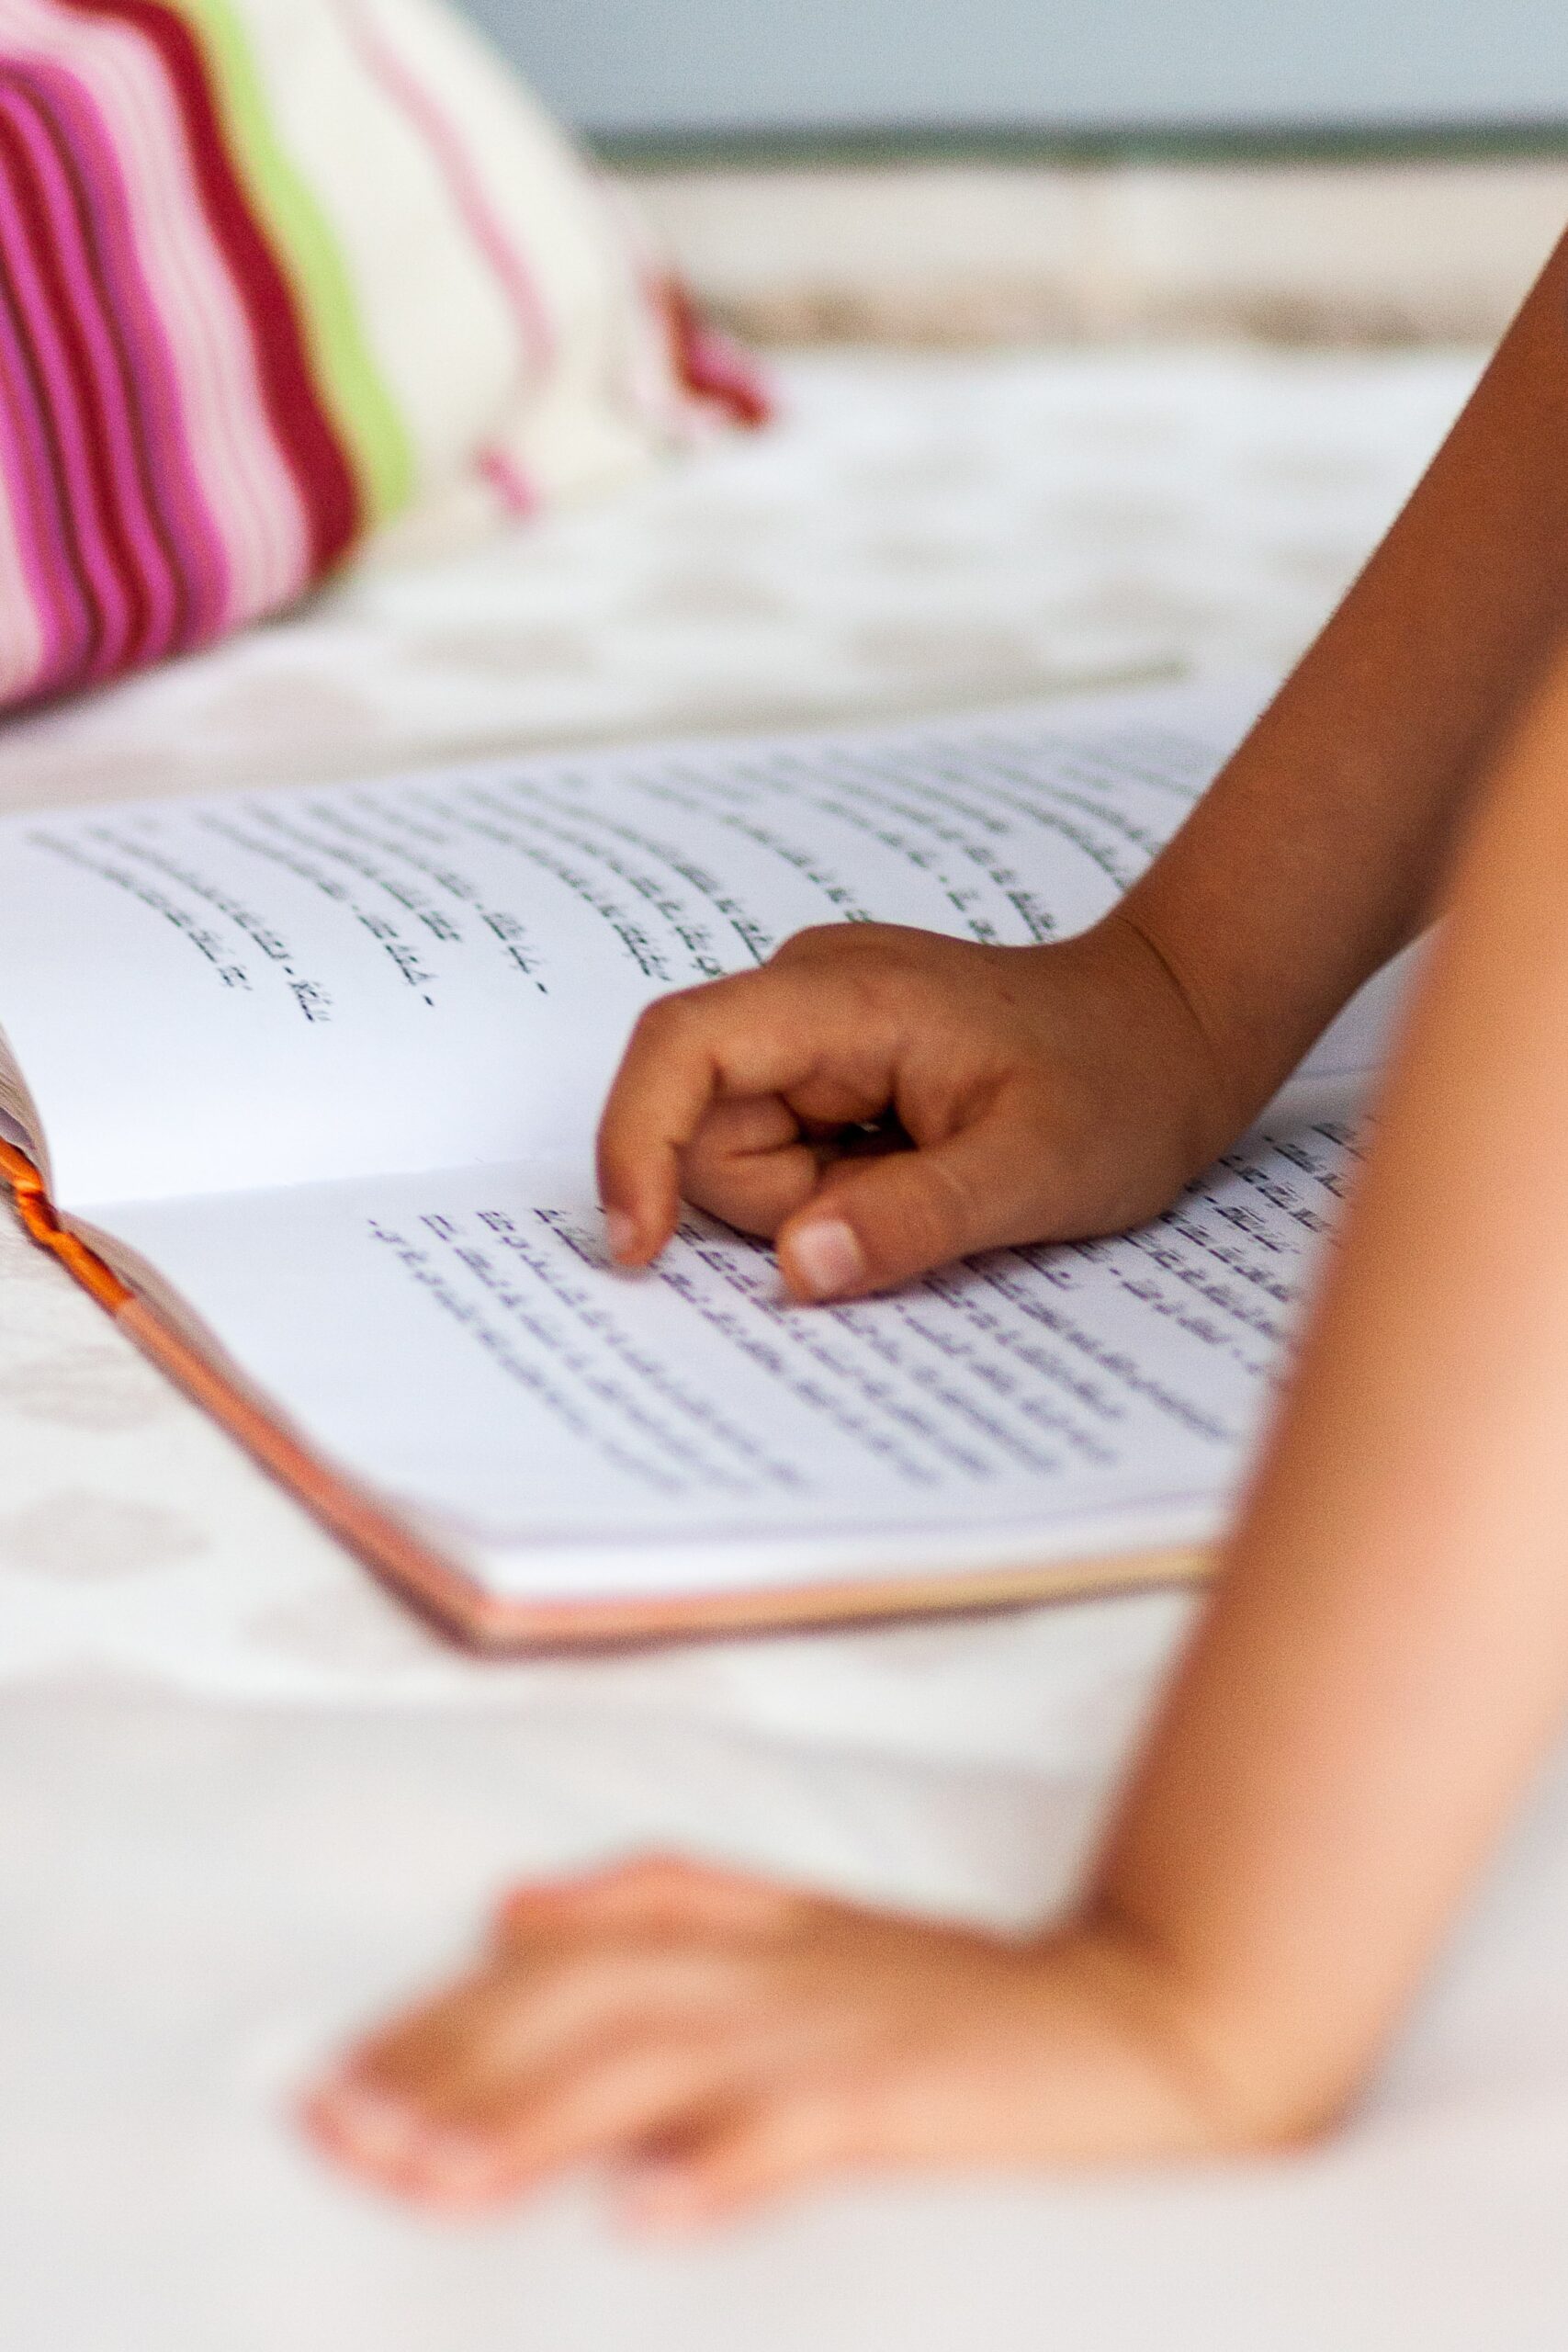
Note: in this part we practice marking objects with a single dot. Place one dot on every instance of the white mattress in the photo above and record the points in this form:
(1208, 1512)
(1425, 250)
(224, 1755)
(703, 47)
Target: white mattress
(249, 1794)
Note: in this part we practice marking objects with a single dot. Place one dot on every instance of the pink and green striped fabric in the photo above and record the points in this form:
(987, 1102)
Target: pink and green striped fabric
(274, 275)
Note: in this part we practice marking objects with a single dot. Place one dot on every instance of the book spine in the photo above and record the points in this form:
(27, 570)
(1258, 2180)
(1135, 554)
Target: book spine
(40, 1222)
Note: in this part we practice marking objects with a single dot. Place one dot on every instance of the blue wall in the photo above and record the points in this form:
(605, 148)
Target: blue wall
(737, 64)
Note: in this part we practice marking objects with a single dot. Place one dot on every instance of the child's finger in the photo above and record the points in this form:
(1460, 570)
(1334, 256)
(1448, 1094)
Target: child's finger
(752, 1164)
(653, 1891)
(765, 2146)
(487, 2040)
(759, 1034)
(605, 2101)
(878, 1222)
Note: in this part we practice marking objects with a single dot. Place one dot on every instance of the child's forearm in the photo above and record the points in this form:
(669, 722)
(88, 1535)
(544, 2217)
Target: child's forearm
(1315, 854)
(1387, 1654)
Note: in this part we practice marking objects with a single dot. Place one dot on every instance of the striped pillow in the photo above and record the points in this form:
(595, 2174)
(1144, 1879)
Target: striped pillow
(272, 274)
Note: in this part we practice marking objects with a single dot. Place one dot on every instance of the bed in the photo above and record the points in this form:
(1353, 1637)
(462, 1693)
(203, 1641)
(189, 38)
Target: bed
(250, 1798)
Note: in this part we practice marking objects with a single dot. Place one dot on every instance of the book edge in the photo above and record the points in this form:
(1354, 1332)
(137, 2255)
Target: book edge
(438, 1587)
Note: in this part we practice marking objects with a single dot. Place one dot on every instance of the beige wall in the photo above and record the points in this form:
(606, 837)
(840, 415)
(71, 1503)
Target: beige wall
(953, 252)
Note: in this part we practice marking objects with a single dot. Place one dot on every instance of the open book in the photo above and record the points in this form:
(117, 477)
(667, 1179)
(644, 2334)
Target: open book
(303, 1085)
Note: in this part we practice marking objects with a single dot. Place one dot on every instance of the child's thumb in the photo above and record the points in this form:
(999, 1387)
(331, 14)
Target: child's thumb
(875, 1223)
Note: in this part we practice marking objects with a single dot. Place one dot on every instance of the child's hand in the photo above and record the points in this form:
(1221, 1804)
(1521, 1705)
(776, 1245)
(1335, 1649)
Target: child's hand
(722, 2039)
(1049, 1092)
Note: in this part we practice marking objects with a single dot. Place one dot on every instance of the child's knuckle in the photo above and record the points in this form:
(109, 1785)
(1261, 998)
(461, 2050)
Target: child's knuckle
(817, 940)
(667, 1017)
(684, 1027)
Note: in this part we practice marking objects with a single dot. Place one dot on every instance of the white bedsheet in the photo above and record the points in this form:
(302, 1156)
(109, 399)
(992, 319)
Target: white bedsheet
(248, 1794)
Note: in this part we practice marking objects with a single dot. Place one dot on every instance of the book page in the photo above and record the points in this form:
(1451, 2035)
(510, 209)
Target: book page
(273, 989)
(456, 1344)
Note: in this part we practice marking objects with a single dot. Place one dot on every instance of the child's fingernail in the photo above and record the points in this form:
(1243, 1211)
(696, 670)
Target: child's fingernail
(620, 1232)
(378, 2125)
(659, 2200)
(456, 2165)
(826, 1258)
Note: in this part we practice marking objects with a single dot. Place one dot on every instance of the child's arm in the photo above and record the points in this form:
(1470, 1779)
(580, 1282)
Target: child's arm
(1389, 1652)
(1386, 1658)
(1069, 1090)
